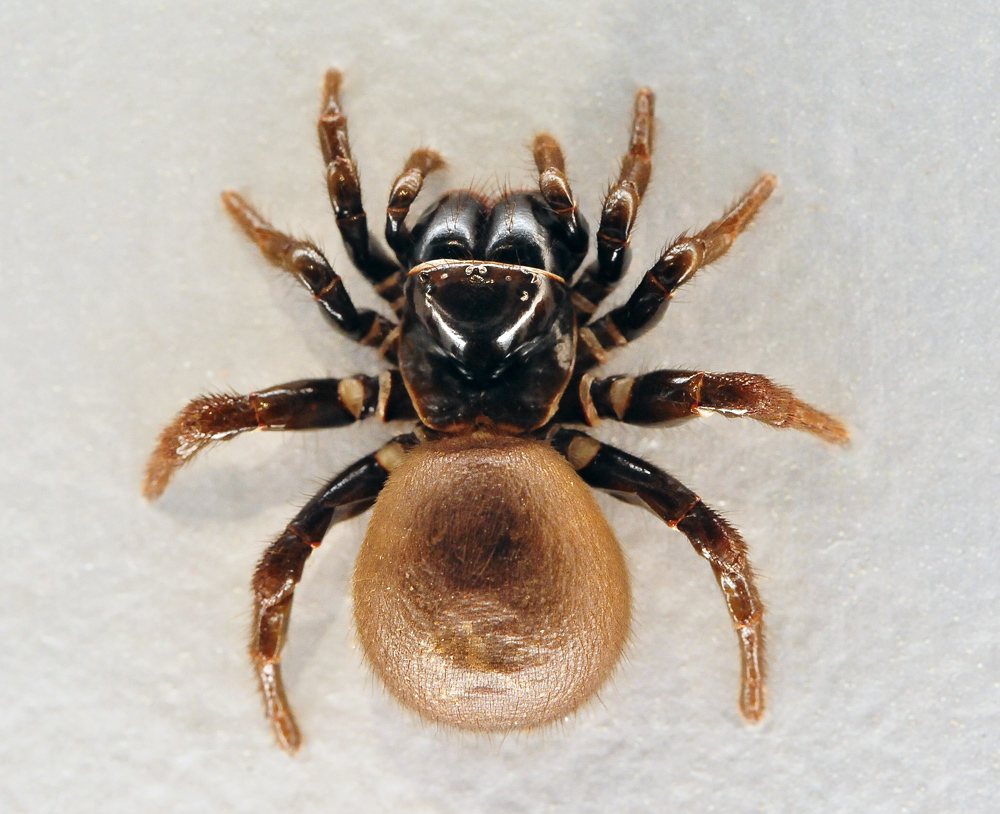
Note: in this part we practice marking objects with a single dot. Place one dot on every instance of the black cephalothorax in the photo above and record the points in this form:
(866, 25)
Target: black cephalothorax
(490, 592)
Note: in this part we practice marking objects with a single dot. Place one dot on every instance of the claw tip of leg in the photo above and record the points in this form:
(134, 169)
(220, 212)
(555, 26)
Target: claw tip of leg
(331, 82)
(836, 433)
(766, 185)
(231, 200)
(288, 737)
(753, 711)
(155, 481)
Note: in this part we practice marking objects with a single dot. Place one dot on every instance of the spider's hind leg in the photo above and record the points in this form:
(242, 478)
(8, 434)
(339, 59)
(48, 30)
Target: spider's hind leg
(351, 492)
(624, 475)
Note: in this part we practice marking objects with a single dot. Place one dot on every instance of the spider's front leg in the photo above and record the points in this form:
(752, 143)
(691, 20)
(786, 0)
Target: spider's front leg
(676, 266)
(351, 492)
(605, 467)
(308, 404)
(345, 188)
(303, 260)
(618, 216)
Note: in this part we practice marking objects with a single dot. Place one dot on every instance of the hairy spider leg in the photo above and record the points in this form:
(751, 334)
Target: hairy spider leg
(307, 263)
(301, 405)
(554, 186)
(633, 479)
(344, 187)
(665, 396)
(618, 216)
(348, 494)
(676, 266)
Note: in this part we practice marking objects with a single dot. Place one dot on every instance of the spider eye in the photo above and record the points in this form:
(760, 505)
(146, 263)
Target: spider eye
(527, 254)
(450, 250)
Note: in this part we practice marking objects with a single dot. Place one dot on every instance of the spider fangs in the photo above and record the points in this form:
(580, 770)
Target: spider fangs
(490, 592)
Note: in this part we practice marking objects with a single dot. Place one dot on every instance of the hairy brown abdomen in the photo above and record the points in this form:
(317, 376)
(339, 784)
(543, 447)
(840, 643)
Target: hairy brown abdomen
(490, 592)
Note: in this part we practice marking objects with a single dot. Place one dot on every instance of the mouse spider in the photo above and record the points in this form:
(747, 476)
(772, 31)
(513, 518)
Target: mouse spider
(490, 593)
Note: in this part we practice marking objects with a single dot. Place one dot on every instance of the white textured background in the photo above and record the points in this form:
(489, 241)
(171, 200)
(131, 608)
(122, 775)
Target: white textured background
(870, 283)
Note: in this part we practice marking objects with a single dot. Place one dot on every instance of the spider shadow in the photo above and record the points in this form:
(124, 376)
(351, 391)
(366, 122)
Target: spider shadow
(237, 484)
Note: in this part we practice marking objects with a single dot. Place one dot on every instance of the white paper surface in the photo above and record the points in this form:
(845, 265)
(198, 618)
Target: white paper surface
(869, 283)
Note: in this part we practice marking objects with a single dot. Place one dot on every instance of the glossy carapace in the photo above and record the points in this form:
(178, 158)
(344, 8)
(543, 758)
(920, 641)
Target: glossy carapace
(473, 333)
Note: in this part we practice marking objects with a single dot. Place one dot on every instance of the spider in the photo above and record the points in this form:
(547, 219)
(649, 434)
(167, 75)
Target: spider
(489, 592)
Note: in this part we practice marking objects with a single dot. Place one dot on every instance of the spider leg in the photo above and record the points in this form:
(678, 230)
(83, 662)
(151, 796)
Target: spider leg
(664, 396)
(554, 186)
(307, 263)
(301, 405)
(633, 479)
(345, 187)
(618, 216)
(675, 267)
(418, 166)
(351, 492)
